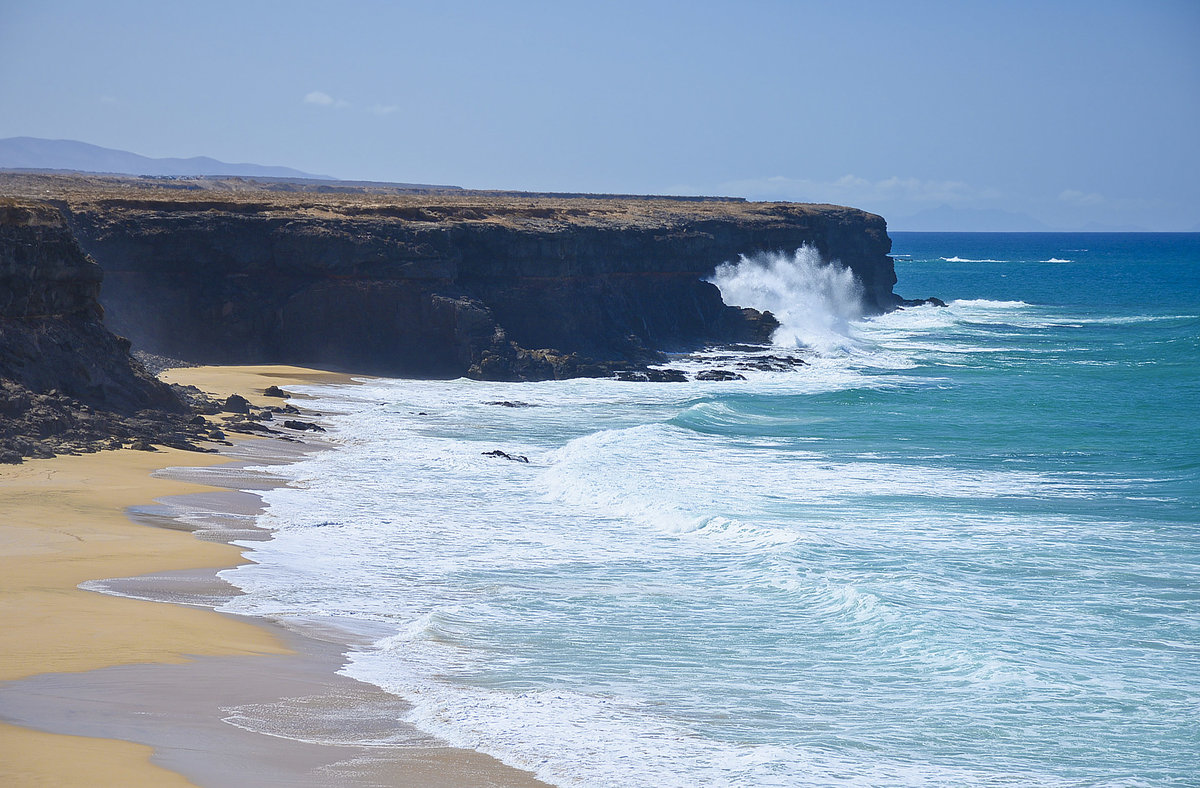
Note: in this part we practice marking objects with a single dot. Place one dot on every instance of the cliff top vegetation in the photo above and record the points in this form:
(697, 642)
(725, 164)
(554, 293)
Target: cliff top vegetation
(323, 199)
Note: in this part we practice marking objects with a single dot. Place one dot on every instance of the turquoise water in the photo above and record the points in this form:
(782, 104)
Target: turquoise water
(960, 546)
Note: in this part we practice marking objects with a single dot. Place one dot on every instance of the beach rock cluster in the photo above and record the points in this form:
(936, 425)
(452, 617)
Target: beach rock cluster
(492, 286)
(44, 425)
(67, 383)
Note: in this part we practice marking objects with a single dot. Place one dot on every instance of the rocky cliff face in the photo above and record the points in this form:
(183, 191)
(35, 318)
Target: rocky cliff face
(494, 286)
(51, 334)
(66, 382)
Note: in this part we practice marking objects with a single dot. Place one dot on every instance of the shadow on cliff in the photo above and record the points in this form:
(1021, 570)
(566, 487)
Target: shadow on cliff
(67, 383)
(492, 287)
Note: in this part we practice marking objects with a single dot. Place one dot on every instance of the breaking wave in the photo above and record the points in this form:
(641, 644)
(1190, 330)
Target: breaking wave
(814, 300)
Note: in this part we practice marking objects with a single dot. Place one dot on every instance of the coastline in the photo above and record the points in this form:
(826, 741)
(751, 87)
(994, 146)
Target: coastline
(126, 690)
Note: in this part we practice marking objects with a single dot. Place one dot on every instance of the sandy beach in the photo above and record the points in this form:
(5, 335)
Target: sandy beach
(97, 689)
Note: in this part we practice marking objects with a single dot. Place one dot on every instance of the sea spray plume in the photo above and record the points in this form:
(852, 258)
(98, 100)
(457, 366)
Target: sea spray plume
(813, 300)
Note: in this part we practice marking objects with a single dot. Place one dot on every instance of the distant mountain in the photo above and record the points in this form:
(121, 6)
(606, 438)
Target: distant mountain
(33, 153)
(972, 220)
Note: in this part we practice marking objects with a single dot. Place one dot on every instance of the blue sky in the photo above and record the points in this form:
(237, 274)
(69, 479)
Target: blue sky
(1068, 114)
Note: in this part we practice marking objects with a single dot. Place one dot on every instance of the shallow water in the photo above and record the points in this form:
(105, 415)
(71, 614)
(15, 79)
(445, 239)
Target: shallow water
(958, 547)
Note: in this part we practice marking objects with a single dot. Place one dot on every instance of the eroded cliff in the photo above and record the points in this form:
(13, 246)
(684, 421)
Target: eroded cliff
(66, 382)
(492, 285)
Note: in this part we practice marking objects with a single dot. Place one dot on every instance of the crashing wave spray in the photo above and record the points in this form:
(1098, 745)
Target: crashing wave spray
(813, 300)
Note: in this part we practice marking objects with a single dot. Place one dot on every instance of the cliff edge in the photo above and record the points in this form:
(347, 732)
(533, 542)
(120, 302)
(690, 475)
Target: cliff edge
(492, 285)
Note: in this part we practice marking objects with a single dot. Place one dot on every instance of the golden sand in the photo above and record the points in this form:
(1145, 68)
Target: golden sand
(62, 521)
(32, 758)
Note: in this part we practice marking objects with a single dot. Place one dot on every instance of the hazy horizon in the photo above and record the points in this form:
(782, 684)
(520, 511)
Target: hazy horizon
(935, 115)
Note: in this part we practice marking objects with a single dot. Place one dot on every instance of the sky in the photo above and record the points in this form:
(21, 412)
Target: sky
(936, 115)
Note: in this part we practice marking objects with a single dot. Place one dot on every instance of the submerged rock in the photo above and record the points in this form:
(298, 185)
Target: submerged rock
(719, 374)
(653, 375)
(505, 455)
(774, 363)
(901, 303)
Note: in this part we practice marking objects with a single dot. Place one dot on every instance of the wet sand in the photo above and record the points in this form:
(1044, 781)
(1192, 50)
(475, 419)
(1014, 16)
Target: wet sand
(127, 690)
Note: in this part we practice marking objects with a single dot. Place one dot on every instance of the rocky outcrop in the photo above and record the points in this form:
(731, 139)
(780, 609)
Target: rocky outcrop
(507, 287)
(66, 382)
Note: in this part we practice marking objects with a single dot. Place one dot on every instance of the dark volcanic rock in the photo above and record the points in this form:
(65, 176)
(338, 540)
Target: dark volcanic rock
(292, 424)
(772, 363)
(497, 287)
(250, 428)
(653, 375)
(275, 391)
(719, 374)
(67, 384)
(931, 301)
(196, 400)
(51, 334)
(236, 403)
(505, 455)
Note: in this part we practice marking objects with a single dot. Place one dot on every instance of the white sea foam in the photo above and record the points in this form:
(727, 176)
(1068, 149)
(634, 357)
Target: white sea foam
(957, 259)
(584, 740)
(987, 304)
(1131, 319)
(706, 584)
(813, 299)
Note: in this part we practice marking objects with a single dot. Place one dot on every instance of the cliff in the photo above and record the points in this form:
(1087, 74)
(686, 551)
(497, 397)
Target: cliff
(497, 286)
(51, 332)
(66, 382)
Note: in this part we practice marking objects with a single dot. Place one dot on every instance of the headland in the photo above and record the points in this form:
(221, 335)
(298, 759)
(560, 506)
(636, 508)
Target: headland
(411, 282)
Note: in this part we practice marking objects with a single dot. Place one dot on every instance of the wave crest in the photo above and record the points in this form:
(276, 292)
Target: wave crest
(814, 300)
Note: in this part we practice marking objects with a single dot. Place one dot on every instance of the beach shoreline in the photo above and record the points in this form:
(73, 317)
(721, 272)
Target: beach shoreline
(119, 688)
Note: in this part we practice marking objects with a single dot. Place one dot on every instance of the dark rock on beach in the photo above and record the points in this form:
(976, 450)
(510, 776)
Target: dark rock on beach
(196, 400)
(236, 403)
(292, 424)
(249, 428)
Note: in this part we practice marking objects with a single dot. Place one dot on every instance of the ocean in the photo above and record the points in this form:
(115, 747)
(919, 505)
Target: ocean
(955, 546)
